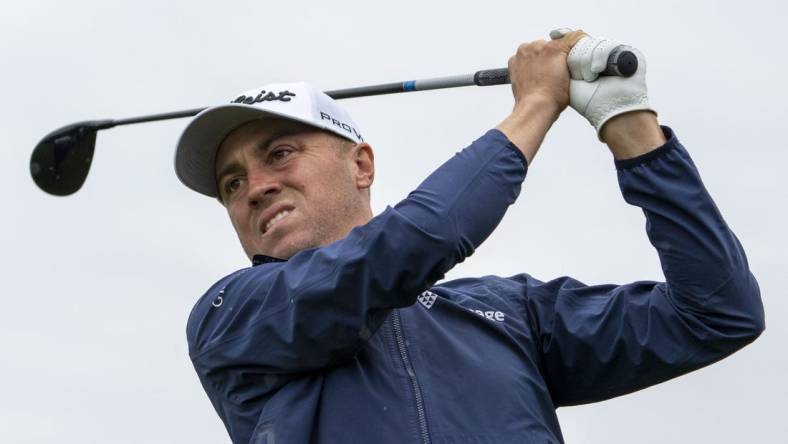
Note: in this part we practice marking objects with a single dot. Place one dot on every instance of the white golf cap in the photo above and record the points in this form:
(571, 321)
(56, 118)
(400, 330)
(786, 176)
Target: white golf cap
(196, 151)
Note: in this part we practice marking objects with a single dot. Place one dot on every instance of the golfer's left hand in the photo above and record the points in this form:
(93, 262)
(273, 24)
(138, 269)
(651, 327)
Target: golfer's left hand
(596, 98)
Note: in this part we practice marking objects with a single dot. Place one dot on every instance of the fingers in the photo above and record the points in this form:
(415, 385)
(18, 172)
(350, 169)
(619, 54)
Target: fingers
(556, 34)
(539, 68)
(566, 38)
(531, 47)
(600, 55)
(589, 57)
(563, 39)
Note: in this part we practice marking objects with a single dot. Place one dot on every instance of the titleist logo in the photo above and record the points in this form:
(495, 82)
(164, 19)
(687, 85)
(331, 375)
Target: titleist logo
(265, 96)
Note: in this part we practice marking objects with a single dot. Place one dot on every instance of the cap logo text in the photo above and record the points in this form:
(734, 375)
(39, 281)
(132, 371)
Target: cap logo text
(343, 125)
(270, 96)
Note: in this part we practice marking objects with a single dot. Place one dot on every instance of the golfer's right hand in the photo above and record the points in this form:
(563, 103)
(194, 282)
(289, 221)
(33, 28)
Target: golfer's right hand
(539, 72)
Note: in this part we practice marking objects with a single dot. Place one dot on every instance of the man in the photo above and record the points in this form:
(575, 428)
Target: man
(322, 339)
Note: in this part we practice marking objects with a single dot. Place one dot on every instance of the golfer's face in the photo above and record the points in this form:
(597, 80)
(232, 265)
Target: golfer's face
(286, 186)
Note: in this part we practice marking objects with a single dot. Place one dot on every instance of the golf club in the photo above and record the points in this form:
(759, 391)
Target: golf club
(61, 161)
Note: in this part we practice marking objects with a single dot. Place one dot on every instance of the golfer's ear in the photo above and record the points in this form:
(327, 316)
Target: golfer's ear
(364, 158)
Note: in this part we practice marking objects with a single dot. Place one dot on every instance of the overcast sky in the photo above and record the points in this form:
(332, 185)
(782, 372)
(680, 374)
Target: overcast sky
(97, 286)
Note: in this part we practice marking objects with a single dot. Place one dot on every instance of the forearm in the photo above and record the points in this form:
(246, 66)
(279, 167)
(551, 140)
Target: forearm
(632, 134)
(528, 124)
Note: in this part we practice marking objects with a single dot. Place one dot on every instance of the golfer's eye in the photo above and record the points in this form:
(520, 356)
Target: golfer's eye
(280, 154)
(232, 185)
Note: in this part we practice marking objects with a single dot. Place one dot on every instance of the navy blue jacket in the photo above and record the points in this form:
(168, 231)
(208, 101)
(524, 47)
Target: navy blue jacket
(354, 342)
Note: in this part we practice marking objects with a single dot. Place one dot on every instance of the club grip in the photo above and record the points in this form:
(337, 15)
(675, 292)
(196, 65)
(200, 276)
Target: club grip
(622, 62)
(488, 77)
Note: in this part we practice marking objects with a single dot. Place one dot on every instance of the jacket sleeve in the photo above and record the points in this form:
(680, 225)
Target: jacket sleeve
(602, 341)
(319, 308)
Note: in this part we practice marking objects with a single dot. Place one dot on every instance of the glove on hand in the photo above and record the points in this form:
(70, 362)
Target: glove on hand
(596, 98)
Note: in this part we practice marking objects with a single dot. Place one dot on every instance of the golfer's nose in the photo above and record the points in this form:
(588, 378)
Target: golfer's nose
(262, 188)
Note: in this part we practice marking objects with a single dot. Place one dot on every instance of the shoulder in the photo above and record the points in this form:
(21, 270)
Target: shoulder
(222, 299)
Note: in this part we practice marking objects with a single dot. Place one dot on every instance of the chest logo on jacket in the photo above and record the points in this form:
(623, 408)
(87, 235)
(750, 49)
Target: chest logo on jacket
(489, 314)
(427, 299)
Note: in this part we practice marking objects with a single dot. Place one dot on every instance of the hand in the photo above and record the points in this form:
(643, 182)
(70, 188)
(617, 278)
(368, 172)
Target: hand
(539, 73)
(596, 98)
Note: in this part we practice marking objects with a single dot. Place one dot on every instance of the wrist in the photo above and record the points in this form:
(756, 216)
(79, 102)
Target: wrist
(538, 106)
(529, 122)
(632, 134)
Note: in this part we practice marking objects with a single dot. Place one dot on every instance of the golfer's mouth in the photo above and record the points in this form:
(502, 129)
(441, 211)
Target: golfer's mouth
(273, 220)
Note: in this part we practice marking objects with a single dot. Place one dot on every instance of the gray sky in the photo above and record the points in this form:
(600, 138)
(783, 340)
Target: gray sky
(98, 286)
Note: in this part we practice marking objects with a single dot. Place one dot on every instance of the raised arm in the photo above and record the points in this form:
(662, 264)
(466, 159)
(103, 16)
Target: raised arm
(603, 341)
(606, 340)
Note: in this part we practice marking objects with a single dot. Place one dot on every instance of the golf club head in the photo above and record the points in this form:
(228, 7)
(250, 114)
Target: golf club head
(61, 161)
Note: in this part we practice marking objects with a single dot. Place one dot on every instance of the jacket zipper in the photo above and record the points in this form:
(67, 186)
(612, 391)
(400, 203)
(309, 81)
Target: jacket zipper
(403, 351)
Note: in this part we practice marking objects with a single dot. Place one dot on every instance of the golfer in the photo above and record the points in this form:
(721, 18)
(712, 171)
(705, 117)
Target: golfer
(340, 331)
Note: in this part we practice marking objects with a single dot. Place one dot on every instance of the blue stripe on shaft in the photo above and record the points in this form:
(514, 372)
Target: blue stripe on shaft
(409, 85)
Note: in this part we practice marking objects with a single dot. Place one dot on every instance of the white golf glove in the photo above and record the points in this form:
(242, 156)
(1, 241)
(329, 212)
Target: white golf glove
(596, 98)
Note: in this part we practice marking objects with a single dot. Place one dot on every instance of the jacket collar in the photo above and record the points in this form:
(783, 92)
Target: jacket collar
(259, 259)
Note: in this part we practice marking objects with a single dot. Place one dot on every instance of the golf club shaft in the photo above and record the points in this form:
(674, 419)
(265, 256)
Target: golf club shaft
(479, 78)
(621, 62)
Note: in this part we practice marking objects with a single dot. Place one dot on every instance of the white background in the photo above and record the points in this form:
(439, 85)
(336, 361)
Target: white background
(97, 287)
